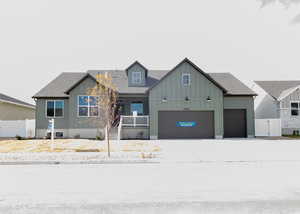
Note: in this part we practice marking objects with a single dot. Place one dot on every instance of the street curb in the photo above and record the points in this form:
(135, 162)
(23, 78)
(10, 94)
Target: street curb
(75, 162)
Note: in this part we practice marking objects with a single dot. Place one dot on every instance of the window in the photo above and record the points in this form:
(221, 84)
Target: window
(59, 134)
(295, 107)
(138, 107)
(186, 79)
(136, 77)
(55, 108)
(88, 106)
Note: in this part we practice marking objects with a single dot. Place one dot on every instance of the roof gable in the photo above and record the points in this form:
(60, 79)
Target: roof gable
(276, 88)
(87, 75)
(137, 63)
(186, 60)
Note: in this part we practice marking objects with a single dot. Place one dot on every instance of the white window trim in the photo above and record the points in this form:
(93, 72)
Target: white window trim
(295, 109)
(54, 109)
(140, 77)
(88, 106)
(182, 81)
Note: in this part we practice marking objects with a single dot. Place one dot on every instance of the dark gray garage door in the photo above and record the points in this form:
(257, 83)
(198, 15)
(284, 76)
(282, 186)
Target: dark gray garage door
(185, 124)
(235, 123)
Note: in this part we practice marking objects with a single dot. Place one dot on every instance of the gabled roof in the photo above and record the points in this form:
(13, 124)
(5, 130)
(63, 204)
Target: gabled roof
(78, 82)
(61, 86)
(233, 85)
(186, 60)
(287, 92)
(139, 64)
(58, 86)
(277, 89)
(7, 99)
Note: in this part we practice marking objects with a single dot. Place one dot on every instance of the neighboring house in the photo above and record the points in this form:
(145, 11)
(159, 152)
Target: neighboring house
(14, 109)
(184, 102)
(282, 101)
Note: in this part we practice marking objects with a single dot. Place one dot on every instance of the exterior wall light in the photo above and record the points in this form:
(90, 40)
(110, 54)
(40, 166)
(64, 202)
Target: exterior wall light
(164, 100)
(208, 99)
(187, 98)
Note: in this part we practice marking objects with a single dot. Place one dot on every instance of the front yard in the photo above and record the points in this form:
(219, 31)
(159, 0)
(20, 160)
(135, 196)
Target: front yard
(159, 151)
(74, 145)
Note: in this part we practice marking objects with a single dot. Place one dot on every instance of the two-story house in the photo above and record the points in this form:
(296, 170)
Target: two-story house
(282, 101)
(184, 102)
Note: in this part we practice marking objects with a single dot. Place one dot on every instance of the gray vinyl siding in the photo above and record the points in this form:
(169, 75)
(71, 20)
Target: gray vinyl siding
(247, 103)
(289, 123)
(175, 92)
(286, 102)
(41, 119)
(76, 122)
(268, 108)
(134, 68)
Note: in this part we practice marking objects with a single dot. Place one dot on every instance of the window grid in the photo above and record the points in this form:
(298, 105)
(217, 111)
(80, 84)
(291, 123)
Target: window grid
(295, 108)
(186, 79)
(136, 77)
(88, 105)
(54, 108)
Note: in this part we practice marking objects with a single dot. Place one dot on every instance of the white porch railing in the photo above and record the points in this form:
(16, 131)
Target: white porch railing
(132, 121)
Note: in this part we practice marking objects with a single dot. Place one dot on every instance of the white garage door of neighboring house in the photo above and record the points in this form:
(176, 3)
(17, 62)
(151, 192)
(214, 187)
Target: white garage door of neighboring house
(11, 128)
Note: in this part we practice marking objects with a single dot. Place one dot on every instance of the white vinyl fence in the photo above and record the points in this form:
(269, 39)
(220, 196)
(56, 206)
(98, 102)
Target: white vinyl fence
(267, 127)
(11, 128)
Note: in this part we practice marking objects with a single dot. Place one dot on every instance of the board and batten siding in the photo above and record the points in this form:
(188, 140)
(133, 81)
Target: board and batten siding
(42, 120)
(240, 102)
(134, 68)
(200, 88)
(76, 122)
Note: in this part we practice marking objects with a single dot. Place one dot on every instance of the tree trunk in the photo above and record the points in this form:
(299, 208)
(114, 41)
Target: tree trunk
(108, 145)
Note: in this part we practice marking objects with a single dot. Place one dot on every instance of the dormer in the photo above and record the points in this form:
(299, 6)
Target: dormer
(137, 74)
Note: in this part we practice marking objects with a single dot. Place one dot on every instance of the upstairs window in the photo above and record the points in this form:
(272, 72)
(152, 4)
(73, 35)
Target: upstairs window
(55, 108)
(88, 106)
(295, 107)
(186, 79)
(137, 77)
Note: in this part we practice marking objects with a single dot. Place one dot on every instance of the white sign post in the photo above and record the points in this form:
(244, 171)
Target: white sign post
(51, 129)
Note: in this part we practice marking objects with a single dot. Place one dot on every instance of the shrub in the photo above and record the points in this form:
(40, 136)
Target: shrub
(100, 136)
(19, 137)
(77, 136)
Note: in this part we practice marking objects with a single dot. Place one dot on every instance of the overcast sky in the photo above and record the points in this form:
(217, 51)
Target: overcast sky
(39, 39)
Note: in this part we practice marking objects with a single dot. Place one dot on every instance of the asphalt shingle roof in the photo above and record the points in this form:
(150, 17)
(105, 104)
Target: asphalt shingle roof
(58, 86)
(65, 81)
(9, 99)
(276, 88)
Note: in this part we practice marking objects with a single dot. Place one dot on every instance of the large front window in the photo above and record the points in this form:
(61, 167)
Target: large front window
(137, 77)
(88, 106)
(138, 107)
(295, 108)
(55, 108)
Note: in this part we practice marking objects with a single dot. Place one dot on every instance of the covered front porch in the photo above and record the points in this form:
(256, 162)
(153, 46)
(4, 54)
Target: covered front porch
(133, 126)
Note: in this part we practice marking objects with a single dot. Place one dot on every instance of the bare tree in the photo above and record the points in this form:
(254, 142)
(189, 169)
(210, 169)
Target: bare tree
(106, 94)
(285, 3)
